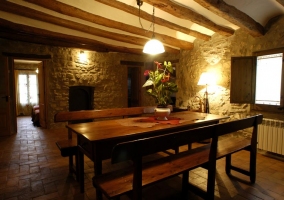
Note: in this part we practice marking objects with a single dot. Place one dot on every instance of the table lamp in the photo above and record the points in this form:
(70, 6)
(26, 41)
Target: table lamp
(206, 79)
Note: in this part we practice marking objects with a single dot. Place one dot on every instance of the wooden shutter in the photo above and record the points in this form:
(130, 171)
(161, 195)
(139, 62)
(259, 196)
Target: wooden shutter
(243, 78)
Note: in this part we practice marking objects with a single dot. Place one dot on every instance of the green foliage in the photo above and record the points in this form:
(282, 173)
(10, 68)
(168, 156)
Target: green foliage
(159, 83)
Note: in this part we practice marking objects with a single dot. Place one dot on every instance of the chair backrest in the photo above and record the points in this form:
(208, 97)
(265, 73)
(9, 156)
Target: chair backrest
(90, 115)
(69, 116)
(142, 147)
(239, 124)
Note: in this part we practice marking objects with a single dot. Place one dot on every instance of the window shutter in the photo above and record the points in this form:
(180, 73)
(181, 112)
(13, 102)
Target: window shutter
(243, 77)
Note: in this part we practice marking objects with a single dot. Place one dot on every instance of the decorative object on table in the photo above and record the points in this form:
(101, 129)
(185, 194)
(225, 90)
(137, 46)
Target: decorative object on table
(161, 87)
(200, 104)
(162, 113)
(206, 79)
(171, 120)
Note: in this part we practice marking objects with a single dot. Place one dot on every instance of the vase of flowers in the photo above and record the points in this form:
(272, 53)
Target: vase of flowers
(160, 86)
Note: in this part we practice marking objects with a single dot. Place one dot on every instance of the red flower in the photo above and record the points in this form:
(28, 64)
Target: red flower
(146, 73)
(158, 64)
(166, 78)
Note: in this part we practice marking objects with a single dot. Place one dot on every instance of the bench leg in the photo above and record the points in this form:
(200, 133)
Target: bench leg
(211, 182)
(77, 167)
(71, 165)
(176, 150)
(184, 189)
(80, 172)
(252, 166)
(98, 171)
(228, 164)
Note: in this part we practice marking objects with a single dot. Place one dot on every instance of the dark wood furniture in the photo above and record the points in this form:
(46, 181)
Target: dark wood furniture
(231, 145)
(35, 115)
(139, 175)
(68, 147)
(96, 139)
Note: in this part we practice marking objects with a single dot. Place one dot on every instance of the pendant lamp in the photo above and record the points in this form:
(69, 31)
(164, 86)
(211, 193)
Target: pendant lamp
(153, 46)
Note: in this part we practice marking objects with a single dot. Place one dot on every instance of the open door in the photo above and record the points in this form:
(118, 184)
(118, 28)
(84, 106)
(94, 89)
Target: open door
(41, 89)
(8, 116)
(134, 87)
(8, 125)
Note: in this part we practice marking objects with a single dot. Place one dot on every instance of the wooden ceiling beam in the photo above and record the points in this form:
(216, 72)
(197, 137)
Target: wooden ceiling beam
(30, 13)
(25, 33)
(233, 15)
(75, 12)
(281, 2)
(185, 13)
(144, 15)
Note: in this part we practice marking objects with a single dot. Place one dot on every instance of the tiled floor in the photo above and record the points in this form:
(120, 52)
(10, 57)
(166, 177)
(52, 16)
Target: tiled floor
(31, 167)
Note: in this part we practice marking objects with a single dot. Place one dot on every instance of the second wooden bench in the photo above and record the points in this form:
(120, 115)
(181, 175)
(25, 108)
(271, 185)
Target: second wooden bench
(140, 175)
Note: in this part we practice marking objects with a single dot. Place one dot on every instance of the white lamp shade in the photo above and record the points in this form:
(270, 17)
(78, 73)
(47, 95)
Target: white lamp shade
(206, 79)
(153, 47)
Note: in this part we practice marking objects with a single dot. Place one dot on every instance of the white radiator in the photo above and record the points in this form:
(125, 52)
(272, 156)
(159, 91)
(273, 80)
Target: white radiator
(271, 136)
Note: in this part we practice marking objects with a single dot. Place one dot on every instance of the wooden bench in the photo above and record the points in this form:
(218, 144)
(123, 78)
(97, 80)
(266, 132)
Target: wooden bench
(139, 175)
(231, 145)
(68, 147)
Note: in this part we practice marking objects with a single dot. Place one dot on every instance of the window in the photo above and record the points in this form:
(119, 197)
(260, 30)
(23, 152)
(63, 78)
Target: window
(268, 79)
(28, 89)
(257, 80)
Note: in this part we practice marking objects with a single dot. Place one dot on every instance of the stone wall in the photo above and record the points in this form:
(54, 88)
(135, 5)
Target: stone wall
(103, 71)
(215, 56)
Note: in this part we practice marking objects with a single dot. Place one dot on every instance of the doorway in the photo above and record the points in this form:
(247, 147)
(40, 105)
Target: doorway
(8, 116)
(28, 79)
(134, 86)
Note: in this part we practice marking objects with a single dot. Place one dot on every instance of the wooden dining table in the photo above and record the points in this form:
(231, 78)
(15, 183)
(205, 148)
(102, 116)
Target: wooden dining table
(97, 139)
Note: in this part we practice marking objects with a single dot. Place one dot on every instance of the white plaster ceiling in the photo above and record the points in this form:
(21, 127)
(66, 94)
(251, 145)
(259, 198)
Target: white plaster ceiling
(259, 10)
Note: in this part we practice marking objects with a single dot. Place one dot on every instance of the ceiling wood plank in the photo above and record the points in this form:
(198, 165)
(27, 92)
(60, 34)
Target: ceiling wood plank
(185, 13)
(146, 16)
(25, 33)
(281, 2)
(75, 12)
(233, 15)
(139, 64)
(27, 12)
(132, 63)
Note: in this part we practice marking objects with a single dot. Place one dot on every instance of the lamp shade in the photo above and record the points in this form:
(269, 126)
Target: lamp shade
(206, 79)
(153, 47)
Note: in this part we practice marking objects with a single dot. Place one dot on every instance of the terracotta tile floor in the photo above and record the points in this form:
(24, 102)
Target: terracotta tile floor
(31, 167)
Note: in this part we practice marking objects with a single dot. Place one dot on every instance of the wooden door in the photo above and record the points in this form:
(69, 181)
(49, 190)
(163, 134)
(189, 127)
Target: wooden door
(134, 87)
(41, 95)
(243, 75)
(8, 124)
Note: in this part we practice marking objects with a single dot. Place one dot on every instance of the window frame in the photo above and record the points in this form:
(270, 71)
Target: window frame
(273, 108)
(248, 95)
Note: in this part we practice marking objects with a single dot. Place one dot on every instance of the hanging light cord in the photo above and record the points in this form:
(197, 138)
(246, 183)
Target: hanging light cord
(153, 20)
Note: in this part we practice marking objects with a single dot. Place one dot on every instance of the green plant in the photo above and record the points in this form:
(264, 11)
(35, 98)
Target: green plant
(159, 83)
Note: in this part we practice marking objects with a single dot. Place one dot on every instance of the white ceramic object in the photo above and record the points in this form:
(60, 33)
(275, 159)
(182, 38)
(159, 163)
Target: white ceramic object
(162, 113)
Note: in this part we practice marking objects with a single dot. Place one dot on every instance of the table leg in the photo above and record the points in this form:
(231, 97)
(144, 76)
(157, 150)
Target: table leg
(81, 170)
(98, 171)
